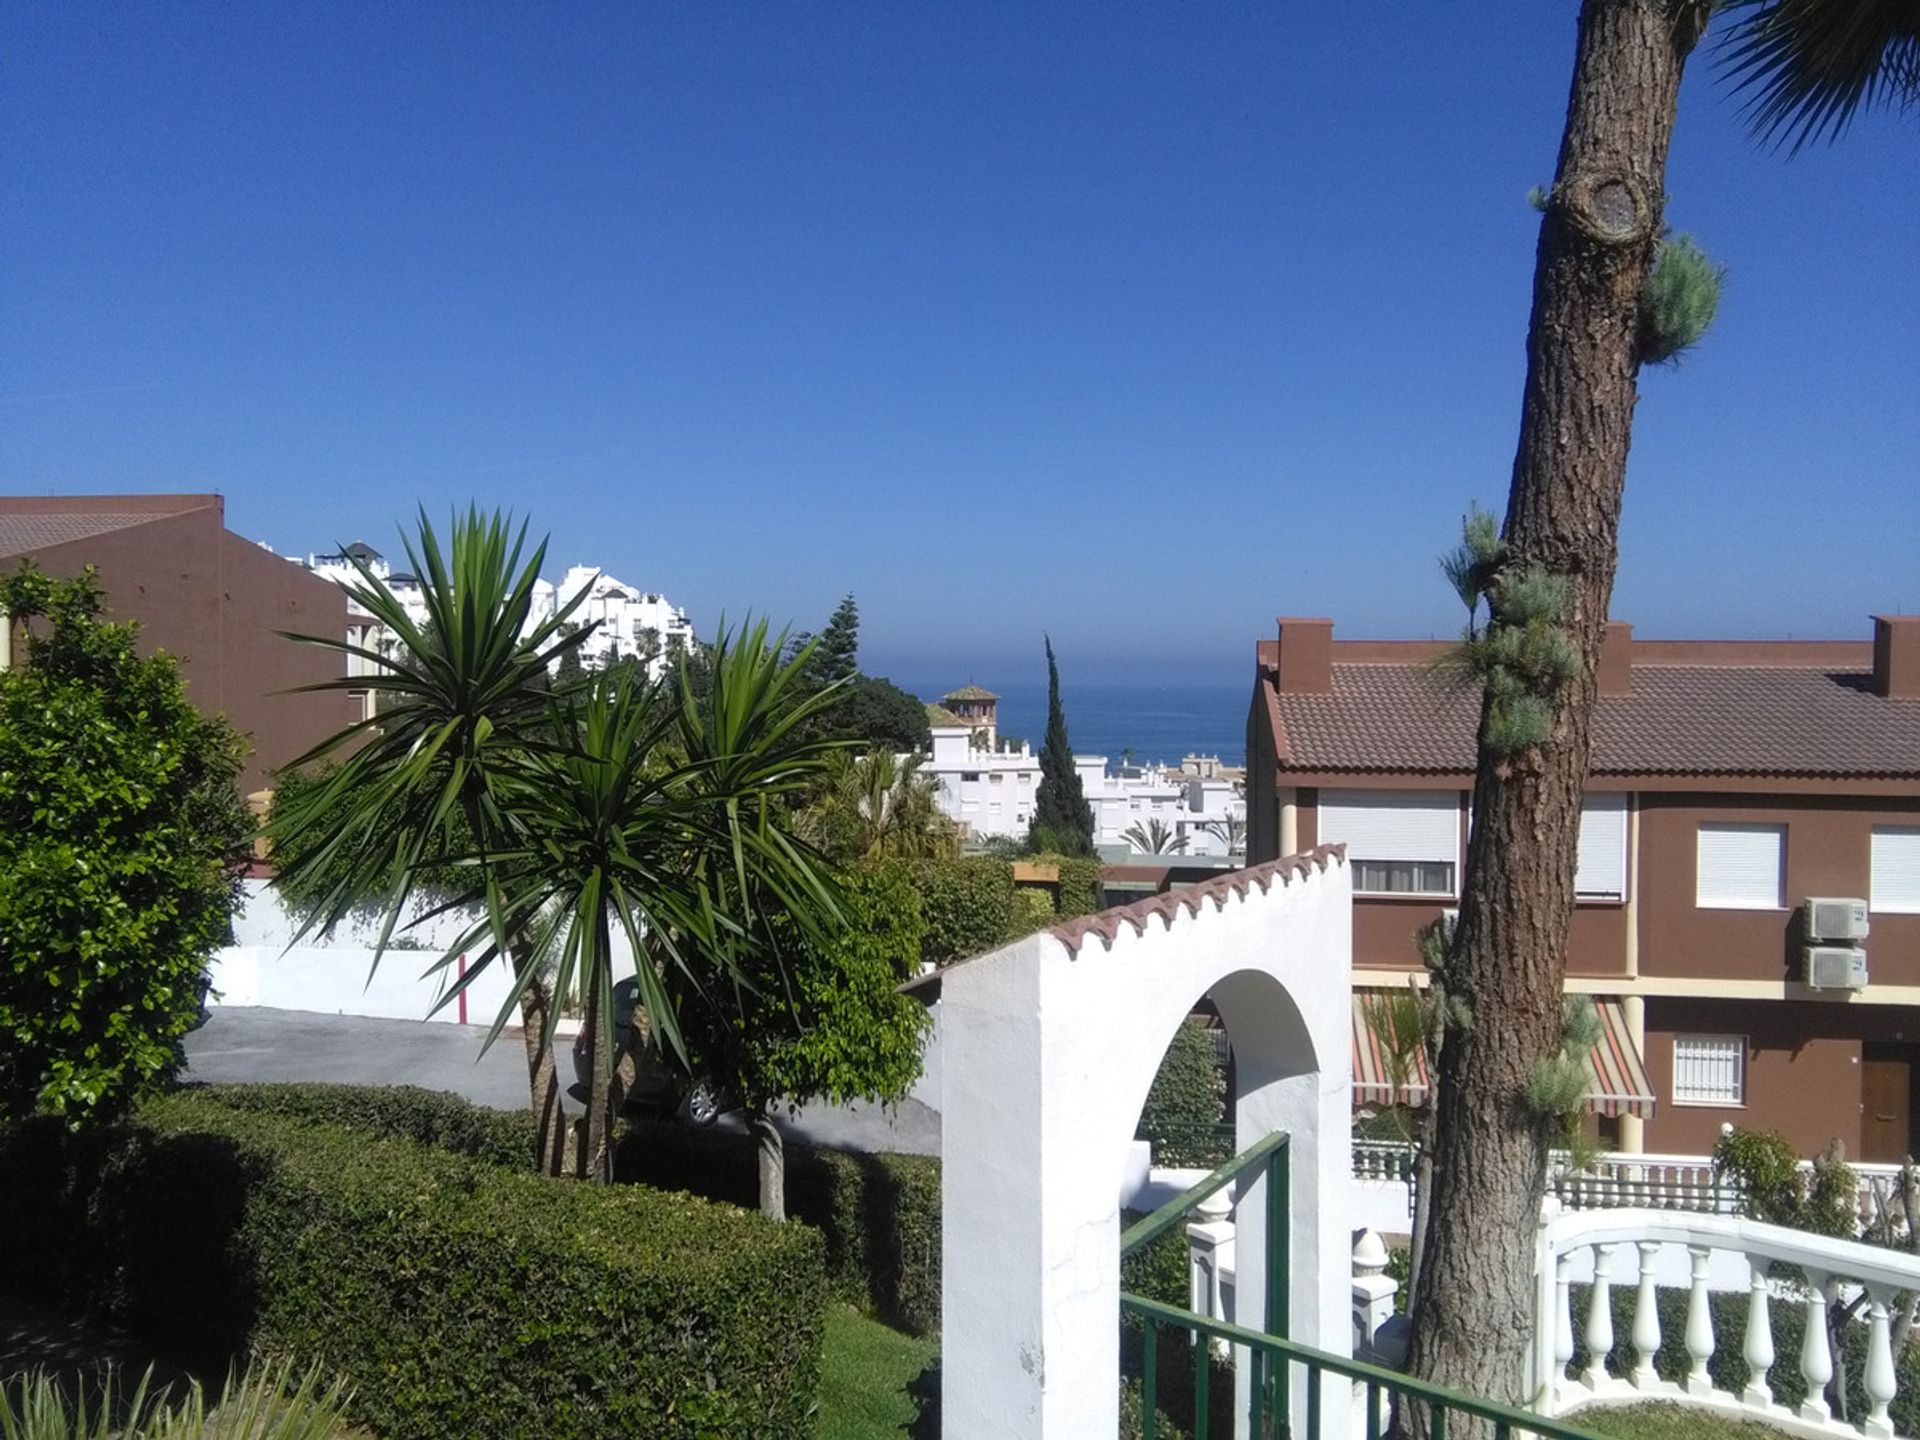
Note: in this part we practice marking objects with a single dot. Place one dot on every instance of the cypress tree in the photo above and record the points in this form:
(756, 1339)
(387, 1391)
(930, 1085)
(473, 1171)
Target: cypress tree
(1062, 819)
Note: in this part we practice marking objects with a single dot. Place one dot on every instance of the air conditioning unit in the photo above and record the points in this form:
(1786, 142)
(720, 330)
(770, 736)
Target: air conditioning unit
(1831, 919)
(1836, 967)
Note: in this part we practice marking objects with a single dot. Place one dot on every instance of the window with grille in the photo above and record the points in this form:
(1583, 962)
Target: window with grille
(1709, 1069)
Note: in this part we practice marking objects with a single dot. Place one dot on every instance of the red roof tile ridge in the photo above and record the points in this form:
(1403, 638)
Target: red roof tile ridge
(1222, 890)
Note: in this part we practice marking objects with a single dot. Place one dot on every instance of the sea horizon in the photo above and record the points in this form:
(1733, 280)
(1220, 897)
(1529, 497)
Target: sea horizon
(1160, 720)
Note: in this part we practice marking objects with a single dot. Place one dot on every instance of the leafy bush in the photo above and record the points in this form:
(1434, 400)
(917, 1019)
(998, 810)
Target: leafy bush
(969, 905)
(1081, 889)
(1187, 1103)
(120, 820)
(878, 1214)
(393, 1112)
(458, 1298)
(1763, 1167)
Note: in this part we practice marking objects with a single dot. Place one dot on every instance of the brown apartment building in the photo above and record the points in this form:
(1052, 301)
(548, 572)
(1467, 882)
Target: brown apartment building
(207, 596)
(1732, 783)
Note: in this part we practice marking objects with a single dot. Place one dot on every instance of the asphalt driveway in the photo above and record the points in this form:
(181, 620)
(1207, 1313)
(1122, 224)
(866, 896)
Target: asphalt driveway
(251, 1045)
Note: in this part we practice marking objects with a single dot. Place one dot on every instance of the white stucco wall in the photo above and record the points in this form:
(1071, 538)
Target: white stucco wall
(1049, 1047)
(335, 975)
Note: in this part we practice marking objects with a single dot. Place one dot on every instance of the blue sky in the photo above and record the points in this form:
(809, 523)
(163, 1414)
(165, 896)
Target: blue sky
(1139, 323)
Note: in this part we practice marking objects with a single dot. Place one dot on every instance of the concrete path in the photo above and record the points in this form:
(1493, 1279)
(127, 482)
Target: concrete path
(250, 1045)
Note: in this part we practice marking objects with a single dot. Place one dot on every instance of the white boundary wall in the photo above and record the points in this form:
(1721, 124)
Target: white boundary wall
(337, 976)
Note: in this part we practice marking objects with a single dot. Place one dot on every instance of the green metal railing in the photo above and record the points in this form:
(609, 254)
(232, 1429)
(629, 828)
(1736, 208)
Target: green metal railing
(1272, 1156)
(1270, 1355)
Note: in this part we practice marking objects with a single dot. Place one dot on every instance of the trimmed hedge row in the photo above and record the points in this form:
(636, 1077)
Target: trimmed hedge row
(459, 1298)
(393, 1112)
(972, 906)
(879, 1214)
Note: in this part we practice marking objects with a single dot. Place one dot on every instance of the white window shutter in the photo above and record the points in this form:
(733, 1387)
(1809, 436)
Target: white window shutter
(1602, 870)
(1740, 866)
(1414, 825)
(1896, 870)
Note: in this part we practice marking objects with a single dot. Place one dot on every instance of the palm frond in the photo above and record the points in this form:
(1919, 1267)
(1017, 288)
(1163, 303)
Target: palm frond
(1808, 67)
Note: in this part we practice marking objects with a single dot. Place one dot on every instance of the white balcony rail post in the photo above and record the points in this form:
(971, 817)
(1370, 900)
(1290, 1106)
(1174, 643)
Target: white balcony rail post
(1600, 1318)
(1816, 1360)
(1646, 1318)
(1562, 1320)
(1373, 1289)
(1699, 1324)
(1758, 1351)
(1880, 1380)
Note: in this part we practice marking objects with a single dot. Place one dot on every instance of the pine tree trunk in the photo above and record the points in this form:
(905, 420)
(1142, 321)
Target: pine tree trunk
(773, 1163)
(1472, 1312)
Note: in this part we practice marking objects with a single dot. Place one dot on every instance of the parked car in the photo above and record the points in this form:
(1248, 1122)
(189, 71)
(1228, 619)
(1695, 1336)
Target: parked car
(660, 1087)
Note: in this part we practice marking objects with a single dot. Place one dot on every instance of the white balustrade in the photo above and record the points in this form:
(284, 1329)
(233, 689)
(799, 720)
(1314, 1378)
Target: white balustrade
(1784, 1266)
(1652, 1182)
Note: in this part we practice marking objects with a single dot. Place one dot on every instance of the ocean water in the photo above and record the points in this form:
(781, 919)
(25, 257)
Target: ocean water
(1156, 721)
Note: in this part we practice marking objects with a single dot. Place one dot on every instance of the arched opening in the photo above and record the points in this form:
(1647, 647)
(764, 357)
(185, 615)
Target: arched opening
(1049, 1049)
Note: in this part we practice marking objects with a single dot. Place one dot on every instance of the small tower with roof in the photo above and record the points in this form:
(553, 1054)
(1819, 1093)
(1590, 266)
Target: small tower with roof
(977, 709)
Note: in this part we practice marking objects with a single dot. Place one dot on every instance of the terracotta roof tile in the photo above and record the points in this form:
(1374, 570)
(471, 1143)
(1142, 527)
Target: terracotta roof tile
(1219, 892)
(1680, 720)
(24, 533)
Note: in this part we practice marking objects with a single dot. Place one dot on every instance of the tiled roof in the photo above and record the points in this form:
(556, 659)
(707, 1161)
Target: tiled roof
(22, 534)
(970, 692)
(1234, 885)
(940, 715)
(1679, 720)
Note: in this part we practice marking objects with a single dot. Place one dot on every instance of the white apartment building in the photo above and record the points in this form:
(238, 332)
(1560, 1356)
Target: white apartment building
(989, 786)
(628, 623)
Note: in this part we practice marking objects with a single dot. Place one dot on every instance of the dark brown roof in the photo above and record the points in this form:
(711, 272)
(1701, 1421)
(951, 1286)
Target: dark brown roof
(1680, 720)
(23, 534)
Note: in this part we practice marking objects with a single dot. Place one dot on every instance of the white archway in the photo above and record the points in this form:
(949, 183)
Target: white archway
(1049, 1046)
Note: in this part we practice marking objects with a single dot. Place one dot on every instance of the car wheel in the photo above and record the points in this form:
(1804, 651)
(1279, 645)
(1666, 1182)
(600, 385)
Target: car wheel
(703, 1101)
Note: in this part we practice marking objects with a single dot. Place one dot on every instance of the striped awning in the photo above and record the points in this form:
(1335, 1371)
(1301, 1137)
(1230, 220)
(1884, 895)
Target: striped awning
(1616, 1072)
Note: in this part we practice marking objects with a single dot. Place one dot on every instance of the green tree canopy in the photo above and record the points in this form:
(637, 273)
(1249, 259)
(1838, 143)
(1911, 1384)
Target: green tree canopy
(1062, 819)
(822, 1017)
(121, 834)
(836, 651)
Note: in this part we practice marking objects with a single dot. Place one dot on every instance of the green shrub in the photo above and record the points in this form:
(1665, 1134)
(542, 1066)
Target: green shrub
(969, 905)
(1187, 1103)
(394, 1112)
(1081, 888)
(457, 1298)
(879, 1215)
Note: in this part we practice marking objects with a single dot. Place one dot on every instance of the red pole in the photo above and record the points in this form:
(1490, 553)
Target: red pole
(463, 994)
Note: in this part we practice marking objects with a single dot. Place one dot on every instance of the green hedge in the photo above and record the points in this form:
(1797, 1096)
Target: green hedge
(393, 1112)
(972, 905)
(969, 905)
(459, 1298)
(879, 1214)
(1081, 888)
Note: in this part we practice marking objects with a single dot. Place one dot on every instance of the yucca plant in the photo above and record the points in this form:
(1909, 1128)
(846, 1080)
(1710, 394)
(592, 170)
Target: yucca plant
(263, 1404)
(604, 807)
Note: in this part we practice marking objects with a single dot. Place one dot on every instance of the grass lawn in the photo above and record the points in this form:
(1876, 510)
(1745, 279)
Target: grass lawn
(864, 1371)
(1670, 1422)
